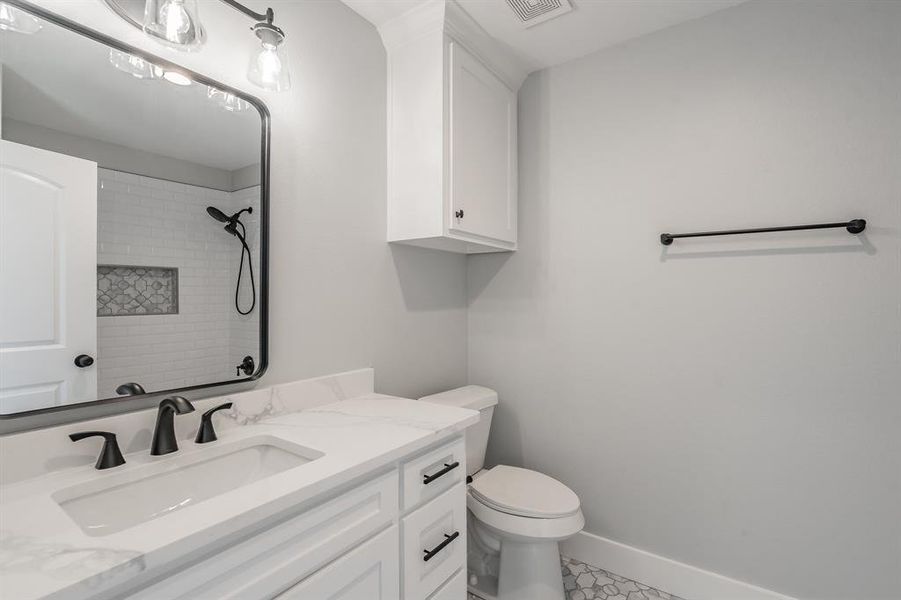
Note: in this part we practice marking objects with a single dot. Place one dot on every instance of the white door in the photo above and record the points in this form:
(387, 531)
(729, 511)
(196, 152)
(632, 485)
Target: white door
(482, 150)
(370, 572)
(48, 280)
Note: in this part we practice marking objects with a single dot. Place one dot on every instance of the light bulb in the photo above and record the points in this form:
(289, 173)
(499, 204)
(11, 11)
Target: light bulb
(13, 19)
(175, 22)
(269, 65)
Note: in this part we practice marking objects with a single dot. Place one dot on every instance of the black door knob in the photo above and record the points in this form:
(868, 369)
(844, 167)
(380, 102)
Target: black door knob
(82, 361)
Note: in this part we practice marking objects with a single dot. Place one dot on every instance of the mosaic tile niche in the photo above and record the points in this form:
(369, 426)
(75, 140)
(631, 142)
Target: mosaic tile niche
(124, 290)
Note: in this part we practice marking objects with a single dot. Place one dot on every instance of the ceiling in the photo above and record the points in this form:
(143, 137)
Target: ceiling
(591, 26)
(61, 80)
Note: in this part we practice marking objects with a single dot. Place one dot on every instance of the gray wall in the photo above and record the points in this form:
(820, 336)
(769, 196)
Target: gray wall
(124, 159)
(730, 403)
(341, 297)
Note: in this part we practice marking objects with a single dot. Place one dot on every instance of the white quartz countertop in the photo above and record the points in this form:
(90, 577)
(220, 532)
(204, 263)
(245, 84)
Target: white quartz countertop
(45, 554)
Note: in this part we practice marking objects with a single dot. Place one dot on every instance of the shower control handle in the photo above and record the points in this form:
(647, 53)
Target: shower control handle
(247, 366)
(83, 361)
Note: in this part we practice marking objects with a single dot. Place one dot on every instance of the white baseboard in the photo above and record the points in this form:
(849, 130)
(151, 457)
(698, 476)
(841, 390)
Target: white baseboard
(662, 573)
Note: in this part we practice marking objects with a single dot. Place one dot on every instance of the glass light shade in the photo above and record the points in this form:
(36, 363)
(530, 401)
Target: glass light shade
(134, 65)
(13, 19)
(175, 22)
(269, 65)
(227, 100)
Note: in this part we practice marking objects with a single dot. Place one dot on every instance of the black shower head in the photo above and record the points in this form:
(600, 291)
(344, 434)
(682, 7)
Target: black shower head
(218, 214)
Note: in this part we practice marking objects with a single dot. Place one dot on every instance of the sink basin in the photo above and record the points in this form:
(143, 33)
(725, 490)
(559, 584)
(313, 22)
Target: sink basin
(151, 491)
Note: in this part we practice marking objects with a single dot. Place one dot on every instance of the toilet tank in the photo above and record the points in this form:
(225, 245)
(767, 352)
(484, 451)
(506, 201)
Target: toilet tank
(474, 397)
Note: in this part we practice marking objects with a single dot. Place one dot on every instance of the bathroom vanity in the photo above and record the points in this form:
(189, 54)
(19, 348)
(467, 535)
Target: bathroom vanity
(359, 498)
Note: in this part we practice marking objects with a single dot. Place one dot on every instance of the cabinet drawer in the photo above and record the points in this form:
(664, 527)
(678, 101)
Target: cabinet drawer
(264, 563)
(429, 475)
(434, 539)
(370, 572)
(453, 589)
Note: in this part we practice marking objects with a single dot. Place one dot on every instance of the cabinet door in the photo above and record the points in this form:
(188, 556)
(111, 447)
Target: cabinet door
(482, 153)
(434, 543)
(370, 572)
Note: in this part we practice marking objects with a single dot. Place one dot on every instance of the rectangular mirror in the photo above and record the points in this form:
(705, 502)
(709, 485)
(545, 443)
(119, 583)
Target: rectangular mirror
(133, 222)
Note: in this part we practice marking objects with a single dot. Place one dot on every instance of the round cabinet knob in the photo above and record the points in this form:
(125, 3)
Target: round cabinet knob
(83, 361)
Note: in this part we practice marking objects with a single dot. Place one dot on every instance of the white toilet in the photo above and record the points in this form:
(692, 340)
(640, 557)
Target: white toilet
(516, 516)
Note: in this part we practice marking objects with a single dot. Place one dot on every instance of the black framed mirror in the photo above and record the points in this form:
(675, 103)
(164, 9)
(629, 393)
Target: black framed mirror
(135, 228)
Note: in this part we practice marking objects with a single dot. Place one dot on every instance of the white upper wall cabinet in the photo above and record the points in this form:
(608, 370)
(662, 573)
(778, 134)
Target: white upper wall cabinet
(451, 132)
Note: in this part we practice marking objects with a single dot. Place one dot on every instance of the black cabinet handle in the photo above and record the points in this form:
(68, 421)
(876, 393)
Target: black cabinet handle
(83, 361)
(430, 554)
(206, 433)
(110, 455)
(459, 214)
(427, 479)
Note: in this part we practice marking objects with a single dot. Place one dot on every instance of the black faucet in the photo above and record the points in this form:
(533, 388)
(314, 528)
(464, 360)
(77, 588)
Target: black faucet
(110, 455)
(164, 440)
(206, 433)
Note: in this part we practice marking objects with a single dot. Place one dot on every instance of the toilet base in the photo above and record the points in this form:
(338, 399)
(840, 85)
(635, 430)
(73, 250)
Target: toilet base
(530, 571)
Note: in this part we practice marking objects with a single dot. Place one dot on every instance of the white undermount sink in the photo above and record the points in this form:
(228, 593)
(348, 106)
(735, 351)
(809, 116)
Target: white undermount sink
(150, 491)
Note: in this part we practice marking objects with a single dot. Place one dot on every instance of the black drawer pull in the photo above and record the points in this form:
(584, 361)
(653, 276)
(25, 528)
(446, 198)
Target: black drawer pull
(427, 479)
(430, 554)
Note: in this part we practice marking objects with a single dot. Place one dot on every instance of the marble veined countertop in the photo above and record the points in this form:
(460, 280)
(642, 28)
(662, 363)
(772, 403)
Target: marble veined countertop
(45, 554)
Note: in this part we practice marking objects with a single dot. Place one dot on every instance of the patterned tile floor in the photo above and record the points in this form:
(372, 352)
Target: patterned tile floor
(585, 582)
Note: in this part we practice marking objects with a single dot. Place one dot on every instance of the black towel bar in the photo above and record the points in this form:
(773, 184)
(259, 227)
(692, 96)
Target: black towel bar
(853, 226)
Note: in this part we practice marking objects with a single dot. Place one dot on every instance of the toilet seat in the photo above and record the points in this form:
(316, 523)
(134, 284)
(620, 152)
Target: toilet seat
(524, 529)
(524, 493)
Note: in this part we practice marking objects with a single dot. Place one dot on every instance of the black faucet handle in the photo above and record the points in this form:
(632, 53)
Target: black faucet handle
(207, 433)
(110, 455)
(130, 389)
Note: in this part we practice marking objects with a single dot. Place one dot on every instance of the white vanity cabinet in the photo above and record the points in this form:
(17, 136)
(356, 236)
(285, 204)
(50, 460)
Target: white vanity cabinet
(452, 172)
(369, 572)
(367, 542)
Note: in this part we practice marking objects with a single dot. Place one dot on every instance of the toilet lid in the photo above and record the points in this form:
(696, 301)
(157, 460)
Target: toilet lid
(524, 493)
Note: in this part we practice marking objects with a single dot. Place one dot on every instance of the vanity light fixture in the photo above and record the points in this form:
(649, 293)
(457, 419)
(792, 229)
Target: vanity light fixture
(269, 65)
(19, 21)
(176, 23)
(227, 100)
(134, 65)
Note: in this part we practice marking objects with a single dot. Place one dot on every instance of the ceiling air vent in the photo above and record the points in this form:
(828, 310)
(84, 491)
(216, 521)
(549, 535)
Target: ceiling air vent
(533, 12)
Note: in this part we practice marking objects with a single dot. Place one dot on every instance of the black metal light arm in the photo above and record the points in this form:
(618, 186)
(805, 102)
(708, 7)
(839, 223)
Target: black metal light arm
(853, 226)
(268, 16)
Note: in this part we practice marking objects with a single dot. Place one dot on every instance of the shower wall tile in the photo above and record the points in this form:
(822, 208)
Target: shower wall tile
(148, 222)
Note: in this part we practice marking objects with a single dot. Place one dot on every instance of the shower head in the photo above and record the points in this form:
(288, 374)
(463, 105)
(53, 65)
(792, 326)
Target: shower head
(218, 214)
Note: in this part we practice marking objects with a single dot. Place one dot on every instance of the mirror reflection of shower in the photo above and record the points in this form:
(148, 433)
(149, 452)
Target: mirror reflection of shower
(234, 226)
